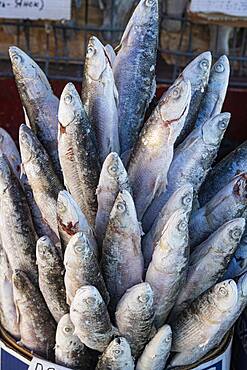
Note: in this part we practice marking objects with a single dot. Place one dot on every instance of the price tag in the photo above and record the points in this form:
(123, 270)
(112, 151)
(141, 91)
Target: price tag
(234, 8)
(38, 364)
(35, 9)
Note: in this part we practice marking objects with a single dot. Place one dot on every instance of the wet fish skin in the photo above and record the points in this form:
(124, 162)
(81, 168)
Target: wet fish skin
(223, 172)
(117, 356)
(51, 277)
(9, 149)
(44, 183)
(167, 270)
(100, 97)
(180, 199)
(20, 240)
(157, 351)
(111, 55)
(89, 314)
(37, 326)
(153, 152)
(82, 267)
(209, 260)
(8, 315)
(216, 91)
(41, 105)
(230, 202)
(134, 71)
(122, 260)
(203, 318)
(197, 72)
(135, 315)
(238, 263)
(72, 220)
(113, 178)
(77, 152)
(69, 350)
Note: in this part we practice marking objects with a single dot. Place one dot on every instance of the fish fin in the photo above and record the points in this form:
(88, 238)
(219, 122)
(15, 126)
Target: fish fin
(159, 187)
(27, 122)
(17, 314)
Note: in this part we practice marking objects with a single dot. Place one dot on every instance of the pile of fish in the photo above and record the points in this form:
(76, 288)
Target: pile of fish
(120, 247)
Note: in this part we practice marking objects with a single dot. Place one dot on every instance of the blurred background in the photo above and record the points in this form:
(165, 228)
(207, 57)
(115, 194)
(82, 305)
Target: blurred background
(59, 47)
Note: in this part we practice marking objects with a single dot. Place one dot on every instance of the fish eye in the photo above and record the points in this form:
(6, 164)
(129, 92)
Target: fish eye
(182, 225)
(121, 207)
(176, 93)
(204, 64)
(168, 338)
(78, 248)
(117, 351)
(142, 298)
(186, 200)
(223, 291)
(113, 170)
(67, 329)
(68, 99)
(222, 124)
(17, 59)
(90, 300)
(236, 233)
(61, 207)
(90, 50)
(219, 68)
(149, 2)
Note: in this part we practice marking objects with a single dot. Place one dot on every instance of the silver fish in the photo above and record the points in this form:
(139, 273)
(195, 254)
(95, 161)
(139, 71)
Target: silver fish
(157, 351)
(82, 267)
(8, 147)
(238, 263)
(122, 260)
(88, 313)
(41, 105)
(167, 271)
(196, 327)
(37, 326)
(77, 152)
(41, 176)
(134, 70)
(117, 356)
(113, 178)
(228, 203)
(69, 350)
(193, 159)
(51, 277)
(8, 314)
(100, 97)
(223, 172)
(216, 91)
(153, 152)
(209, 260)
(111, 55)
(71, 220)
(197, 72)
(180, 199)
(135, 315)
(17, 230)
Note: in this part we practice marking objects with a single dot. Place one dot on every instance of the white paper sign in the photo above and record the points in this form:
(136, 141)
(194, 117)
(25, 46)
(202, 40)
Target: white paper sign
(235, 8)
(35, 9)
(37, 364)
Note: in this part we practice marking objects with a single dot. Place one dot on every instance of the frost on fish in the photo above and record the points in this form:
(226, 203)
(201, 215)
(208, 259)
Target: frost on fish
(117, 356)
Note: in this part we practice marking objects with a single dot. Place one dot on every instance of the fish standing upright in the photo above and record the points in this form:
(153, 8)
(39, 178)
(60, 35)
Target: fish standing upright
(100, 98)
(117, 356)
(153, 152)
(41, 105)
(134, 70)
(77, 152)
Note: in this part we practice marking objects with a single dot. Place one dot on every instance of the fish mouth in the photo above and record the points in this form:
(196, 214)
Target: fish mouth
(15, 55)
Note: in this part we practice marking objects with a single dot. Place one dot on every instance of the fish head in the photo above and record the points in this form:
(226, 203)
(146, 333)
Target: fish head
(220, 70)
(5, 173)
(96, 59)
(123, 212)
(26, 70)
(65, 337)
(67, 210)
(183, 198)
(140, 297)
(235, 229)
(87, 299)
(242, 285)
(70, 107)
(118, 350)
(197, 71)
(225, 295)
(8, 147)
(213, 130)
(113, 170)
(164, 336)
(239, 187)
(46, 252)
(174, 104)
(27, 144)
(175, 231)
(78, 249)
